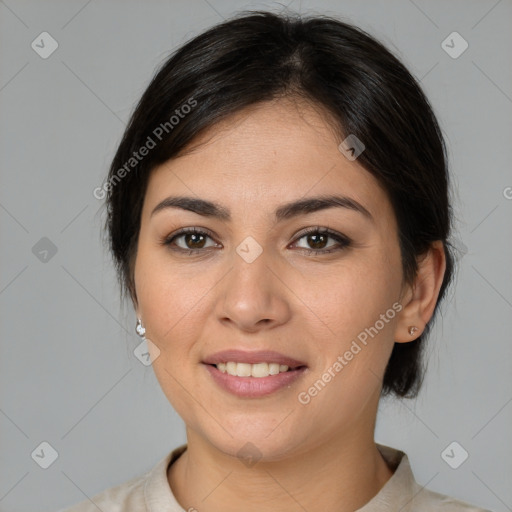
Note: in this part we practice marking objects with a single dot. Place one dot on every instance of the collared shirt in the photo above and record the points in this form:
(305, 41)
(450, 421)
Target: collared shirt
(151, 492)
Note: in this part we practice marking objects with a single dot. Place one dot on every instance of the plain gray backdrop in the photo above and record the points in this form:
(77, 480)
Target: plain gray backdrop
(68, 374)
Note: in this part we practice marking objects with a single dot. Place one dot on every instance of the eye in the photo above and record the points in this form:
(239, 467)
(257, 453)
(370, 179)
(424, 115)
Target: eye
(317, 239)
(195, 240)
(190, 239)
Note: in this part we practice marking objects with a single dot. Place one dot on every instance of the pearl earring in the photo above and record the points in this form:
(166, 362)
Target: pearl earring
(412, 329)
(140, 329)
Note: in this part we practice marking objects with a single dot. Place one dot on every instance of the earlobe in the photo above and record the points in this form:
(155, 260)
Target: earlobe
(421, 297)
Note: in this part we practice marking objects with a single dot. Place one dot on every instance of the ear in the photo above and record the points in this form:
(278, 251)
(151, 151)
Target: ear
(420, 298)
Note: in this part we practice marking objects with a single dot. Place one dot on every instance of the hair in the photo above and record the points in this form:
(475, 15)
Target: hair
(365, 90)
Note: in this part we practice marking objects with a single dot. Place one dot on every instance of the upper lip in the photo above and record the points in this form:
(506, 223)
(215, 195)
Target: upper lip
(260, 356)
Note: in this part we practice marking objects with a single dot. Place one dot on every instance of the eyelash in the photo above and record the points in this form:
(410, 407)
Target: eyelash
(317, 230)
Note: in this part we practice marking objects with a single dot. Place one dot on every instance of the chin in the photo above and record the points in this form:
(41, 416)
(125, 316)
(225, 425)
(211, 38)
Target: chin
(253, 443)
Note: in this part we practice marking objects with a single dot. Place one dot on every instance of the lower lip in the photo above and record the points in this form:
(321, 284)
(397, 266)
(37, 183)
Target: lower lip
(254, 387)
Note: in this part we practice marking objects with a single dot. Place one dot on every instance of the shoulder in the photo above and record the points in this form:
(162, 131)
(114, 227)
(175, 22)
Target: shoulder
(149, 491)
(124, 497)
(428, 500)
(403, 493)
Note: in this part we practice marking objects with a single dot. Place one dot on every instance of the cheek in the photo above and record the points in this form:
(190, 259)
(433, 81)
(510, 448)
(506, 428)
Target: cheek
(169, 295)
(352, 296)
(173, 312)
(357, 305)
(175, 305)
(352, 357)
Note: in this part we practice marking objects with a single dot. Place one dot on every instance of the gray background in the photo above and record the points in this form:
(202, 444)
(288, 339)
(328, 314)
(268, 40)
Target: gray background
(67, 372)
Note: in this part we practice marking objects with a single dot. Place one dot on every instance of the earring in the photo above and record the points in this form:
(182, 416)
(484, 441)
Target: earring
(412, 329)
(140, 329)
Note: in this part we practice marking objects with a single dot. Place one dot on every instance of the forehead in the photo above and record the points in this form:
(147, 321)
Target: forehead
(264, 155)
(255, 137)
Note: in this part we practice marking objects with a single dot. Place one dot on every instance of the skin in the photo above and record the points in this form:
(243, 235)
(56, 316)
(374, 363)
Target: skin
(318, 456)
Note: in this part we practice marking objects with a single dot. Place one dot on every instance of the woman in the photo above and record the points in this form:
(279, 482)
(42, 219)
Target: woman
(278, 212)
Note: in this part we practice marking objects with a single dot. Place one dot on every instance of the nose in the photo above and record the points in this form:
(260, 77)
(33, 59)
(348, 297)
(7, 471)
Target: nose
(252, 295)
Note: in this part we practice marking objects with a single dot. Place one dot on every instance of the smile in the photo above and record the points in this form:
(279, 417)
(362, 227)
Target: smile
(257, 370)
(251, 386)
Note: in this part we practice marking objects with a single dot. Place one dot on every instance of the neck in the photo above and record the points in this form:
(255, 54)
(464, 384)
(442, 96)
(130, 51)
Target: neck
(340, 474)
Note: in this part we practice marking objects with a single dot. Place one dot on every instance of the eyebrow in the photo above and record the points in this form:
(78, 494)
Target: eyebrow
(284, 212)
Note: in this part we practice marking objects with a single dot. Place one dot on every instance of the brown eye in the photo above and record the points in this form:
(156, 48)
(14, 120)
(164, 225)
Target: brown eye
(317, 241)
(194, 240)
(190, 239)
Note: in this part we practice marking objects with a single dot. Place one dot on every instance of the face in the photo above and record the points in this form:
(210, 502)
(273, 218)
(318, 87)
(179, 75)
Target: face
(317, 287)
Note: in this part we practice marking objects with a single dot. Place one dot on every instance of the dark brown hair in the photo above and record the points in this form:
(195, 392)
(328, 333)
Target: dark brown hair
(368, 92)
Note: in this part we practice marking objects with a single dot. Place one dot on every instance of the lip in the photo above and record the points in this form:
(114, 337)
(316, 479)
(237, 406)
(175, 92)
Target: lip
(254, 387)
(261, 356)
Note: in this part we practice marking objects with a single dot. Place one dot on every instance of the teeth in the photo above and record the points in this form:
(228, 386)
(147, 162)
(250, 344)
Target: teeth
(243, 369)
(273, 368)
(260, 370)
(251, 370)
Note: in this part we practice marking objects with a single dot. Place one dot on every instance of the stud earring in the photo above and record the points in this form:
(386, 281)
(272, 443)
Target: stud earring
(140, 329)
(412, 329)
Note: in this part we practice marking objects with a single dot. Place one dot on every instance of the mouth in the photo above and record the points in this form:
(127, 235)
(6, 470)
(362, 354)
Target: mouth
(257, 370)
(253, 374)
